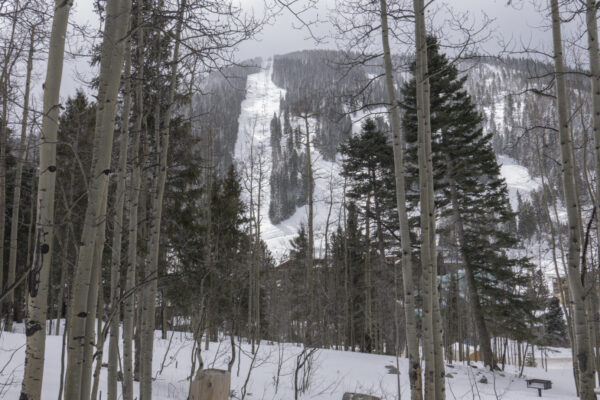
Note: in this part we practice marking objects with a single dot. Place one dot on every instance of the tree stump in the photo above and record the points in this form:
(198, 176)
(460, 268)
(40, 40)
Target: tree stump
(359, 396)
(211, 384)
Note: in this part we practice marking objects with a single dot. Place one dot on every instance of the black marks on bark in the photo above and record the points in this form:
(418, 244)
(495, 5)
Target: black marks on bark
(32, 328)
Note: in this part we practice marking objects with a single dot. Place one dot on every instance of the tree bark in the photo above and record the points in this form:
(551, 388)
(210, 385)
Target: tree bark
(31, 388)
(111, 63)
(310, 251)
(576, 287)
(594, 55)
(115, 272)
(132, 210)
(407, 264)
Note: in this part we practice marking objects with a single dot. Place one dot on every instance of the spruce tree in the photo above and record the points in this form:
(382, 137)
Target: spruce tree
(473, 201)
(555, 328)
(369, 166)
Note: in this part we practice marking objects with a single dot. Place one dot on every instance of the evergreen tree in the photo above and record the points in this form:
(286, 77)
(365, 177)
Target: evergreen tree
(555, 328)
(369, 166)
(276, 137)
(527, 220)
(473, 196)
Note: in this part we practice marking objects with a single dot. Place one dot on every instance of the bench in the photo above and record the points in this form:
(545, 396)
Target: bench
(539, 384)
(359, 396)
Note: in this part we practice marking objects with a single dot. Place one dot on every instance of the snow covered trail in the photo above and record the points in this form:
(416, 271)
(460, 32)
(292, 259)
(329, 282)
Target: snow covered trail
(253, 147)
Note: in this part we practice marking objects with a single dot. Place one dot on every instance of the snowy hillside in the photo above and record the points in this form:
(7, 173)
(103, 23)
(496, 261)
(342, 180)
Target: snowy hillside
(262, 101)
(253, 142)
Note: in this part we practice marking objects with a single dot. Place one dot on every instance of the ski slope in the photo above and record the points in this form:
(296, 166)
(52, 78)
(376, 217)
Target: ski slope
(254, 160)
(253, 143)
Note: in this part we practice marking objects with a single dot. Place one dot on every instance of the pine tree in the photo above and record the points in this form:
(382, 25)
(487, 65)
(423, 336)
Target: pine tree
(471, 193)
(527, 220)
(369, 166)
(555, 328)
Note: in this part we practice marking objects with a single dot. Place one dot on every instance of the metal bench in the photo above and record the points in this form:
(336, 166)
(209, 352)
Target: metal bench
(539, 384)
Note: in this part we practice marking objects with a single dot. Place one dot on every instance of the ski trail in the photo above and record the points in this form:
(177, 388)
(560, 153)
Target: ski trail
(253, 143)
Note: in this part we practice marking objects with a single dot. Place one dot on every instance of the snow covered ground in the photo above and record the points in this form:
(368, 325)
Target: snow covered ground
(333, 372)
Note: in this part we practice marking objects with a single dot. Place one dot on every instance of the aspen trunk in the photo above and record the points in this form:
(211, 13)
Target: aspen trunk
(407, 264)
(132, 210)
(38, 277)
(111, 63)
(432, 343)
(576, 287)
(425, 206)
(94, 299)
(98, 355)
(115, 272)
(594, 55)
(310, 252)
(14, 220)
(156, 218)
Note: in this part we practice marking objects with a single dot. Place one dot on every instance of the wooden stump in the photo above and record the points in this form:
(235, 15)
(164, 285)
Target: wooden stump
(211, 384)
(359, 396)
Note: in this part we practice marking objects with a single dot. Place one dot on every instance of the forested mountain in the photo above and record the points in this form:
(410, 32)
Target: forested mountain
(322, 85)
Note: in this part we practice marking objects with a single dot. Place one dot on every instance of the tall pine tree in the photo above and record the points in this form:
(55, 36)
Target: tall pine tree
(473, 201)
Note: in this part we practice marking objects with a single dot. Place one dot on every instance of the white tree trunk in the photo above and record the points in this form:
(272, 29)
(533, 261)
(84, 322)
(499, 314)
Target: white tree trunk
(132, 210)
(155, 223)
(111, 63)
(407, 264)
(576, 288)
(115, 273)
(38, 277)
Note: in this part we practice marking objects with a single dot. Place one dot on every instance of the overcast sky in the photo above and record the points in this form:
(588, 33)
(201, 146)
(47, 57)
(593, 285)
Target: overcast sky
(280, 37)
(518, 24)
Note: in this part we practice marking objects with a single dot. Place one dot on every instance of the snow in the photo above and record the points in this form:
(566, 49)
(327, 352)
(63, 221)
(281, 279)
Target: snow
(261, 102)
(333, 372)
(517, 179)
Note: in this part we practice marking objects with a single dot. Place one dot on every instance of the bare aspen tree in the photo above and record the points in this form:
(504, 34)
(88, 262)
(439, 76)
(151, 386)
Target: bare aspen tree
(111, 63)
(426, 207)
(132, 210)
(95, 305)
(37, 289)
(148, 271)
(255, 178)
(156, 217)
(576, 286)
(594, 56)
(407, 264)
(14, 221)
(432, 345)
(310, 249)
(115, 272)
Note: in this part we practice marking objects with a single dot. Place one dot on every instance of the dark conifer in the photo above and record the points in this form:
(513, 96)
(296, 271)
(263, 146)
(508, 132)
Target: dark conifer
(555, 328)
(472, 199)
